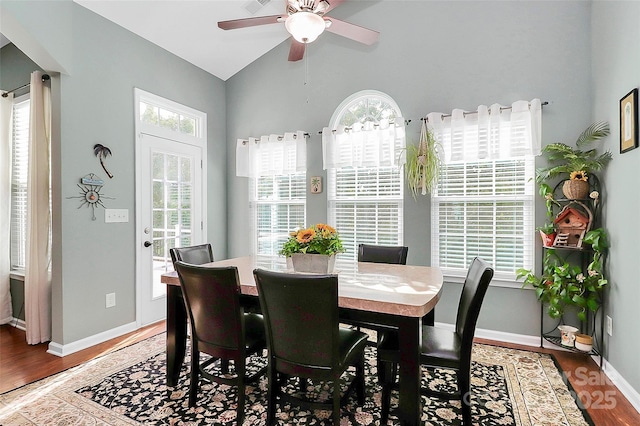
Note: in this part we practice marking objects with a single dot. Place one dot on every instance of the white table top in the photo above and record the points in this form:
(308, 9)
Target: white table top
(405, 290)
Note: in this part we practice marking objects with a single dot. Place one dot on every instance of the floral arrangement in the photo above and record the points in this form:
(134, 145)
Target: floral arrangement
(317, 239)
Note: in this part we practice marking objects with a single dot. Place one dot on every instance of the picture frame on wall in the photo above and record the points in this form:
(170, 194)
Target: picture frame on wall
(629, 121)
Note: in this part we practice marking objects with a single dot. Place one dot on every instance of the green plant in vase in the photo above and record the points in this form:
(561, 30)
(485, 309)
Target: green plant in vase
(562, 284)
(423, 163)
(575, 163)
(548, 231)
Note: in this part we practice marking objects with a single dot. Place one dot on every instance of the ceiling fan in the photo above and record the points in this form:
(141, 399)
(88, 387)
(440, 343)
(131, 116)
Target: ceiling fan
(305, 20)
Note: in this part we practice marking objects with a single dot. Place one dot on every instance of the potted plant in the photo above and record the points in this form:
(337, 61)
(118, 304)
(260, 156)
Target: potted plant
(422, 163)
(313, 249)
(575, 163)
(562, 284)
(548, 231)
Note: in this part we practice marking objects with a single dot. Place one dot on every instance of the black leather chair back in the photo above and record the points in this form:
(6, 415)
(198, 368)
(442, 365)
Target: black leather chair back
(479, 276)
(195, 255)
(382, 254)
(301, 319)
(212, 297)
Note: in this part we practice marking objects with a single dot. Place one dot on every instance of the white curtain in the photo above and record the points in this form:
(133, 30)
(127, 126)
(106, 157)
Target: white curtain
(6, 106)
(368, 145)
(37, 279)
(494, 132)
(272, 155)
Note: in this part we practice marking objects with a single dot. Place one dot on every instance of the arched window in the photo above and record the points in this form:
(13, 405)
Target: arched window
(365, 189)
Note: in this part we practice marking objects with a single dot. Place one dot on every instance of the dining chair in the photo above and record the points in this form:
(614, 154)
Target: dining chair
(382, 254)
(305, 340)
(219, 328)
(195, 255)
(443, 348)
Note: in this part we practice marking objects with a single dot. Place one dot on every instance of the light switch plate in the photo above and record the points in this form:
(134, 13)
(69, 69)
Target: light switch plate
(116, 215)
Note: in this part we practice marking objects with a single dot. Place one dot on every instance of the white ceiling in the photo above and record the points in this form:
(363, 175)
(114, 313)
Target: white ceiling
(189, 29)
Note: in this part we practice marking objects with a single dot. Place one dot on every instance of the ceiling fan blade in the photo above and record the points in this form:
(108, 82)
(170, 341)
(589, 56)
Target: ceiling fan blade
(248, 22)
(333, 4)
(352, 31)
(296, 51)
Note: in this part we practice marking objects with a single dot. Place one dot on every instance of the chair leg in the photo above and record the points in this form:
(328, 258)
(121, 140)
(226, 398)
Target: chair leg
(465, 395)
(360, 380)
(336, 401)
(195, 376)
(388, 373)
(240, 371)
(224, 366)
(272, 383)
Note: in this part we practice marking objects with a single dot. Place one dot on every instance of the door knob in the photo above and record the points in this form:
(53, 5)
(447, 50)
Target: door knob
(147, 243)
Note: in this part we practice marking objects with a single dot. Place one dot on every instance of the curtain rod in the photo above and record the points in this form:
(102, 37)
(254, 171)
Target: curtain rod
(280, 137)
(464, 114)
(45, 77)
(347, 129)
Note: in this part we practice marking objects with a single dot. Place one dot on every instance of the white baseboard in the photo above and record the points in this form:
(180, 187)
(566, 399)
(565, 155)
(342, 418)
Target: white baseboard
(15, 322)
(623, 386)
(64, 350)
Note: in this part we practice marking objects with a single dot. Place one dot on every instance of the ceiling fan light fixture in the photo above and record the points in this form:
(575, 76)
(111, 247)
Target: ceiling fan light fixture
(304, 26)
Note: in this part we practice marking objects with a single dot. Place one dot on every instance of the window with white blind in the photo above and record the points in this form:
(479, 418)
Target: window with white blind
(276, 165)
(483, 203)
(279, 206)
(365, 203)
(19, 174)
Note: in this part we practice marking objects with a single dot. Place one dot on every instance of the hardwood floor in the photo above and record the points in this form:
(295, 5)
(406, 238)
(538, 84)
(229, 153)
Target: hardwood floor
(21, 364)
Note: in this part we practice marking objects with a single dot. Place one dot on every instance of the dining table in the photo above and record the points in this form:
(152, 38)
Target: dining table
(384, 295)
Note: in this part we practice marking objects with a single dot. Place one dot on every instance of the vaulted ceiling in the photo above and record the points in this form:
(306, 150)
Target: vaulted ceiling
(189, 29)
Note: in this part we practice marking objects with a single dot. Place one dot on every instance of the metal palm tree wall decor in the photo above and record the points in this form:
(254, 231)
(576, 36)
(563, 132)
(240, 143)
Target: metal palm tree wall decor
(102, 152)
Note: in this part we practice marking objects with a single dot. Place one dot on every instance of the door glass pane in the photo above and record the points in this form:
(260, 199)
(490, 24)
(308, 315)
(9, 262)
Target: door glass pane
(172, 183)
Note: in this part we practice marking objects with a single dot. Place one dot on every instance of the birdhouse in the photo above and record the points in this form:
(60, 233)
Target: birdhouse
(571, 224)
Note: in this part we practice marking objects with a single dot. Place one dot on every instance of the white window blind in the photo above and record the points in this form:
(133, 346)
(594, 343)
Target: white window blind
(279, 207)
(483, 204)
(365, 203)
(19, 173)
(277, 168)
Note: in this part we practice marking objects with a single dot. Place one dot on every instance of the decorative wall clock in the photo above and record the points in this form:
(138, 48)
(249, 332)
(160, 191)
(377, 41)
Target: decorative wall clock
(90, 187)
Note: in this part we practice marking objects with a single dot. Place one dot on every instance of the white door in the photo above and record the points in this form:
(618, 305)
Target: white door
(168, 214)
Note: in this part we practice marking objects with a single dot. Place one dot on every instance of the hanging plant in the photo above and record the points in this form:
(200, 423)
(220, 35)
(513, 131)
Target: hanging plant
(423, 163)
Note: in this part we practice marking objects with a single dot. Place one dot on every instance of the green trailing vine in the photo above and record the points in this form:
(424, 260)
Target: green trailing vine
(423, 163)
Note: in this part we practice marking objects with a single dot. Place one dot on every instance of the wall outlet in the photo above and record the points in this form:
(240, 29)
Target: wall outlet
(116, 215)
(609, 326)
(111, 300)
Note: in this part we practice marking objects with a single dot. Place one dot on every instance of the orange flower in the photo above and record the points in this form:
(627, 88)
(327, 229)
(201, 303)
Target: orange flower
(305, 235)
(326, 229)
(578, 175)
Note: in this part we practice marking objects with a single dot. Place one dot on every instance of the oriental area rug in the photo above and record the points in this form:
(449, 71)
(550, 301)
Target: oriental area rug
(128, 387)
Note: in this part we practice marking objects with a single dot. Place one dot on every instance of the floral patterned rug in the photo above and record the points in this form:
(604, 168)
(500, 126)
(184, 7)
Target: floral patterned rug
(127, 387)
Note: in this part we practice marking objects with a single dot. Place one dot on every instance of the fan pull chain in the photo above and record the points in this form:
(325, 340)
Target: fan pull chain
(306, 71)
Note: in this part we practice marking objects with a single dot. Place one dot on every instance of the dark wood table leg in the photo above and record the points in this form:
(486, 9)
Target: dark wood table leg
(430, 318)
(410, 406)
(176, 333)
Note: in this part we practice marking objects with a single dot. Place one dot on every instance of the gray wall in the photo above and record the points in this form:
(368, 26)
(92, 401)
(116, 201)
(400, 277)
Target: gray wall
(432, 56)
(616, 70)
(94, 104)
